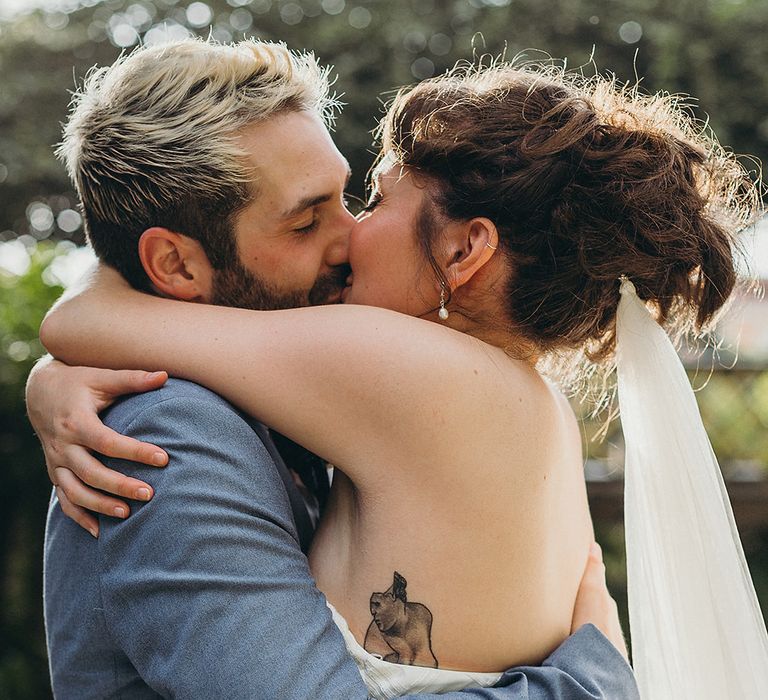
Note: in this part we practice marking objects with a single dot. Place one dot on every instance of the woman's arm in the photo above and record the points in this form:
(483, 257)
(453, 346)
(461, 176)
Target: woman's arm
(333, 378)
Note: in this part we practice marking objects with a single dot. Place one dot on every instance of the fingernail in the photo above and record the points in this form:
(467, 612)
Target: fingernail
(119, 511)
(155, 375)
(143, 494)
(94, 532)
(158, 459)
(596, 550)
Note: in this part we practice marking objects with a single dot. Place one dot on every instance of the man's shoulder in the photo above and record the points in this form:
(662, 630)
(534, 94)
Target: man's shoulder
(201, 432)
(176, 394)
(208, 441)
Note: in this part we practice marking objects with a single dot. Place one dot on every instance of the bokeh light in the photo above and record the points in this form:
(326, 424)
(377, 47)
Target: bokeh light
(360, 17)
(40, 219)
(241, 19)
(199, 14)
(415, 41)
(422, 68)
(69, 220)
(169, 30)
(291, 13)
(440, 44)
(120, 31)
(631, 32)
(333, 7)
(69, 264)
(14, 258)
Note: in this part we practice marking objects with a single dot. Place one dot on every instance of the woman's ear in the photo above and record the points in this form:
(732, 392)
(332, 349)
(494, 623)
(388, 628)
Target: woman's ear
(471, 245)
(176, 265)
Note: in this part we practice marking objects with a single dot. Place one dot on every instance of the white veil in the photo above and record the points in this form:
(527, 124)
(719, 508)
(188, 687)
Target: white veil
(696, 628)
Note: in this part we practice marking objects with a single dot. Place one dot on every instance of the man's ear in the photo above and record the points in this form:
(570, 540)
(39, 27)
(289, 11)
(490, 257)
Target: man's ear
(176, 265)
(471, 244)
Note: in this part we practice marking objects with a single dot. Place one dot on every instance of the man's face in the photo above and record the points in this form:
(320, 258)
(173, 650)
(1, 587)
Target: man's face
(292, 238)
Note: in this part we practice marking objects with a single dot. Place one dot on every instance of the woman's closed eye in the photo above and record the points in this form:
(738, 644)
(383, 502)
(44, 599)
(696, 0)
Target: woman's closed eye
(373, 201)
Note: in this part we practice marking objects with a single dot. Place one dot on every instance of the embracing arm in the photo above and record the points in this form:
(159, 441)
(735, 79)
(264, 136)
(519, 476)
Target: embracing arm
(238, 531)
(199, 582)
(310, 373)
(197, 585)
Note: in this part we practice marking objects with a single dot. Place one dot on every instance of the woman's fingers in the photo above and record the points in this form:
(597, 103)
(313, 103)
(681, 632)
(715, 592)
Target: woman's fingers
(594, 574)
(93, 434)
(93, 473)
(80, 495)
(594, 603)
(131, 381)
(81, 516)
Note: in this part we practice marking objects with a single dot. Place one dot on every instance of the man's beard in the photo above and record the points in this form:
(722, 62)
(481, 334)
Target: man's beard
(239, 287)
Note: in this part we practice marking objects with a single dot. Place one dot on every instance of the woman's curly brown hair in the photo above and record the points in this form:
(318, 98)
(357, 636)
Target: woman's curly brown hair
(586, 181)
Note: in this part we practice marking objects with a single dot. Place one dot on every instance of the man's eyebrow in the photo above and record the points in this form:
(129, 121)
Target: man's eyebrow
(313, 200)
(304, 204)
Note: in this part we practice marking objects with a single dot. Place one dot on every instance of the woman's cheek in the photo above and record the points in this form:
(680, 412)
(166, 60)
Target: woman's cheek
(359, 246)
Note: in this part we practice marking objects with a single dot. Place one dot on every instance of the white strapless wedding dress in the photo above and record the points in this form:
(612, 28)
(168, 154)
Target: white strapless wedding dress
(386, 680)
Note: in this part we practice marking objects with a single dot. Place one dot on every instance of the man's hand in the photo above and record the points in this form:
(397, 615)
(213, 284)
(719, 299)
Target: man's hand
(594, 602)
(63, 404)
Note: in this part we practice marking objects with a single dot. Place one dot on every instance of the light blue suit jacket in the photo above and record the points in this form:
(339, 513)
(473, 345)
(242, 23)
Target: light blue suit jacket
(204, 592)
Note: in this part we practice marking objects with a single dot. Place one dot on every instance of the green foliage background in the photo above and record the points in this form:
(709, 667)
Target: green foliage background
(713, 49)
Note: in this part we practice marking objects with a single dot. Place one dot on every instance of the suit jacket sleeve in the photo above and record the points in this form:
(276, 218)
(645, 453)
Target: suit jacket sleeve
(585, 667)
(205, 587)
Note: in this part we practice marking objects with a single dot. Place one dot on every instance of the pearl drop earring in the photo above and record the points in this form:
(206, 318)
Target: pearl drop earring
(443, 313)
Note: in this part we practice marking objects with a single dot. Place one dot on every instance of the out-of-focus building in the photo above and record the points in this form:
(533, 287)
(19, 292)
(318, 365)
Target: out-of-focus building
(745, 327)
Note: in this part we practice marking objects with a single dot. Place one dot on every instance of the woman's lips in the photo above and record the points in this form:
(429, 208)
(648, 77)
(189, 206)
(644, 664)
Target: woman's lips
(346, 289)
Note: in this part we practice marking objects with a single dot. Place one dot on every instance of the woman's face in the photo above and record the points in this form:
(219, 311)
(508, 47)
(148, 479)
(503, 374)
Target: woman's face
(388, 266)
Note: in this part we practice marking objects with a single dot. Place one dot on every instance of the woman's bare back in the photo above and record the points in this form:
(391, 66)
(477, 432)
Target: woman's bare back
(472, 564)
(466, 466)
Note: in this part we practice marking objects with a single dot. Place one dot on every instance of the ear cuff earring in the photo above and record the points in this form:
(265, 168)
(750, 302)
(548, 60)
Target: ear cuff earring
(443, 313)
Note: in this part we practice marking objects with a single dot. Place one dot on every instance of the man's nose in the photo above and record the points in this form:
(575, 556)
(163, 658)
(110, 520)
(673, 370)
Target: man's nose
(338, 248)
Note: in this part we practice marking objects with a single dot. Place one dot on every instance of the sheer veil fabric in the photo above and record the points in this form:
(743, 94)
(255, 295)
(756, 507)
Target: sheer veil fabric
(696, 626)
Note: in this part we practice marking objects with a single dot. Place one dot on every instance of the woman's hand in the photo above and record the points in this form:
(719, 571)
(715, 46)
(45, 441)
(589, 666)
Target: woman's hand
(63, 404)
(594, 603)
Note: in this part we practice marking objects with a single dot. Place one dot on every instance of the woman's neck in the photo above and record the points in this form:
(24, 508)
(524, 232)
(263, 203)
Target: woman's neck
(497, 332)
(478, 309)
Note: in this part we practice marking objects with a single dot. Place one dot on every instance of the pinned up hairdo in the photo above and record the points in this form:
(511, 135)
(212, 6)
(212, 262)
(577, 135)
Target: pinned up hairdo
(586, 181)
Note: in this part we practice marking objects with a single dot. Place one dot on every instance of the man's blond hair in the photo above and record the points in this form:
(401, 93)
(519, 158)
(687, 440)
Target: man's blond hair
(152, 140)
